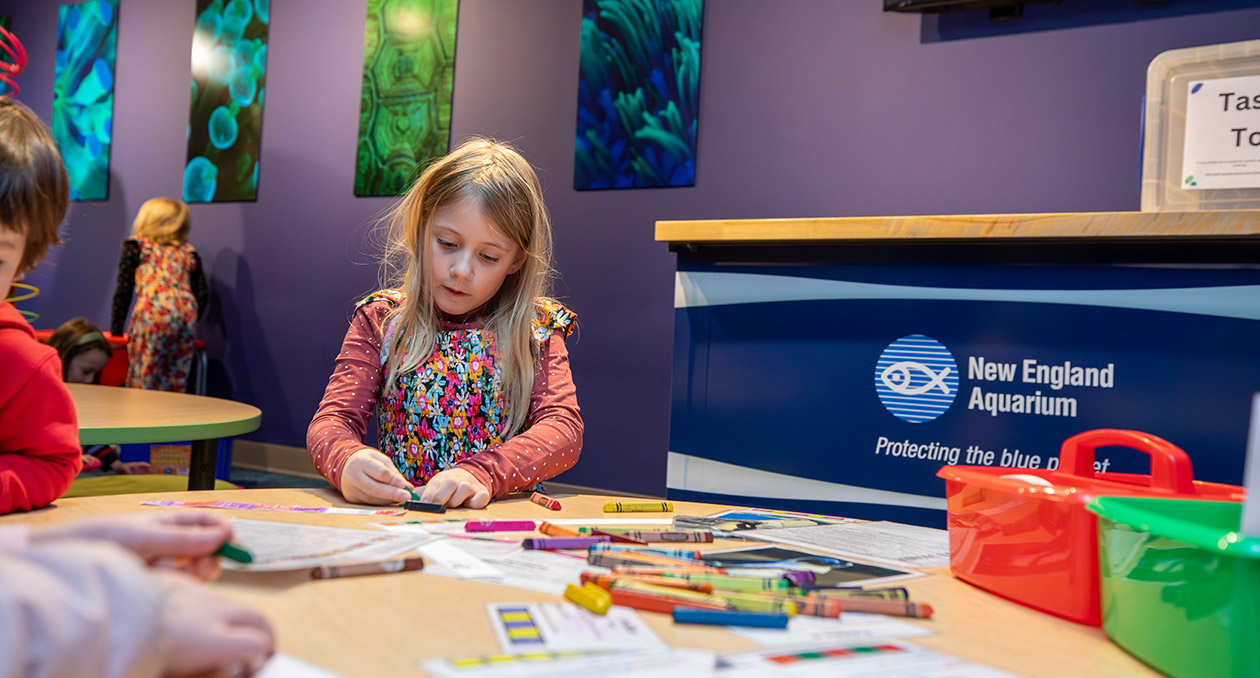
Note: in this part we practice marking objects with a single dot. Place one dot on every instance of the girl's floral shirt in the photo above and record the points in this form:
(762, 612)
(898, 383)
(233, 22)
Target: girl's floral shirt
(448, 413)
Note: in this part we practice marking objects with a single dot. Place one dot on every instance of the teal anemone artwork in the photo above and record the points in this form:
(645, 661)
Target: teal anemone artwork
(83, 94)
(638, 94)
(229, 65)
(405, 105)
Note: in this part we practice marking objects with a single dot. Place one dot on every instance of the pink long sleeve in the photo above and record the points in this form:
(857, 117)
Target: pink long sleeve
(550, 444)
(341, 421)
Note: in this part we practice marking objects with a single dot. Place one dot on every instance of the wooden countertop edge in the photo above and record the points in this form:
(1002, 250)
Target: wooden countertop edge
(1082, 225)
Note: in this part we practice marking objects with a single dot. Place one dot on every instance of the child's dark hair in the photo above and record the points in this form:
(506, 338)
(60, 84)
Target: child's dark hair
(75, 337)
(34, 188)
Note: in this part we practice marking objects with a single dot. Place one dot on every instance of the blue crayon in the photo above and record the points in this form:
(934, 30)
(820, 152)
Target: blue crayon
(691, 615)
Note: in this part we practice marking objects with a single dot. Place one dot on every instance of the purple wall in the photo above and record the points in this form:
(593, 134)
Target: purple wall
(811, 108)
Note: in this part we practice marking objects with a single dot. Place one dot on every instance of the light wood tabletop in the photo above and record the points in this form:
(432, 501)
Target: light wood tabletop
(111, 415)
(385, 625)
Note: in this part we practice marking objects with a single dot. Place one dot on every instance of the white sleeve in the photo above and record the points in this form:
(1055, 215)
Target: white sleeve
(78, 608)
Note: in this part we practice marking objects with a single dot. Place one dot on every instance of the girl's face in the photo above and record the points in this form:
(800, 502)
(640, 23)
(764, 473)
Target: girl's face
(85, 366)
(468, 258)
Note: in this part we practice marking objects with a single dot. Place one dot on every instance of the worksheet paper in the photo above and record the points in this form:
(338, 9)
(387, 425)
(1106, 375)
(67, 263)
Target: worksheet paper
(533, 570)
(282, 665)
(293, 546)
(883, 542)
(885, 659)
(601, 664)
(851, 627)
(554, 627)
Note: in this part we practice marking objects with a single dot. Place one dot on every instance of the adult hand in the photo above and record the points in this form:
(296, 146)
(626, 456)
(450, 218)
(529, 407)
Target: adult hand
(202, 631)
(456, 487)
(130, 467)
(369, 477)
(184, 540)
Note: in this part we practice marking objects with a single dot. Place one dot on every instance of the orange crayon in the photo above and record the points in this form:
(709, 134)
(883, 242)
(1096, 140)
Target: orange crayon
(545, 501)
(558, 530)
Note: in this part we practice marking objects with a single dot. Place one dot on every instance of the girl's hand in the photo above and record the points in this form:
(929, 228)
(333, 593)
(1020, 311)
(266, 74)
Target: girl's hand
(371, 478)
(130, 467)
(456, 487)
(203, 632)
(183, 540)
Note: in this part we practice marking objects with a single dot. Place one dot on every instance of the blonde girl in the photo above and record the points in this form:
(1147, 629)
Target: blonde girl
(165, 274)
(463, 357)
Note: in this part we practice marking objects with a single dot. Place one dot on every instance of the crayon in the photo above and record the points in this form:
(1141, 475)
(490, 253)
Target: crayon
(652, 537)
(589, 596)
(667, 592)
(500, 526)
(545, 501)
(424, 506)
(635, 568)
(605, 581)
(729, 583)
(684, 554)
(638, 507)
(646, 601)
(623, 559)
(553, 543)
(799, 577)
(358, 569)
(557, 530)
(887, 593)
(415, 496)
(233, 552)
(614, 536)
(897, 608)
(769, 602)
(686, 615)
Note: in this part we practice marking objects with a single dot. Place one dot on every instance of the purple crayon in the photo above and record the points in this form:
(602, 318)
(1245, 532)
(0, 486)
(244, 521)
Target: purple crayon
(799, 577)
(551, 543)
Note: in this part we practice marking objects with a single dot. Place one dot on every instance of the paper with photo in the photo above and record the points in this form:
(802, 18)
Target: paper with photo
(839, 572)
(531, 627)
(292, 546)
(881, 542)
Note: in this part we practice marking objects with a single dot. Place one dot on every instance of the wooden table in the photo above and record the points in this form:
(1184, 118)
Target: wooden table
(385, 625)
(110, 415)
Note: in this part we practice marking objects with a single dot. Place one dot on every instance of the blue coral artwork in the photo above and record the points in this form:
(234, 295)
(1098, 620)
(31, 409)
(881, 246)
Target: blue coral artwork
(405, 105)
(83, 94)
(229, 65)
(638, 94)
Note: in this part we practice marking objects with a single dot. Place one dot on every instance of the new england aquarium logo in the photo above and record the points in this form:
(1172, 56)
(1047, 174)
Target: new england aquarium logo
(916, 378)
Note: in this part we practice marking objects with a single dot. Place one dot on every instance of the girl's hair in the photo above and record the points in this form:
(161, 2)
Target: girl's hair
(75, 337)
(163, 221)
(493, 176)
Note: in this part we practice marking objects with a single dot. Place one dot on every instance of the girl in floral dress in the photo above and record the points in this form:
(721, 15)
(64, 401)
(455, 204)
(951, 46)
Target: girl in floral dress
(165, 274)
(463, 361)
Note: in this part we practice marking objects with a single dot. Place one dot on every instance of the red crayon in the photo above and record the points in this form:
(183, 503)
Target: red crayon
(545, 501)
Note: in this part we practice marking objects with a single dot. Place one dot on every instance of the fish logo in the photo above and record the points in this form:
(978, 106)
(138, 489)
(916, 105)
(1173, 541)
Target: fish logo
(916, 378)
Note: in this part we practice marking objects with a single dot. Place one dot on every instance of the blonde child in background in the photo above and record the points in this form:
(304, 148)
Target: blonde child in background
(464, 361)
(84, 353)
(165, 273)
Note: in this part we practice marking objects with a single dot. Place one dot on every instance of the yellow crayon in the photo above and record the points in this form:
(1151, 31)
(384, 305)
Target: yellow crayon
(589, 596)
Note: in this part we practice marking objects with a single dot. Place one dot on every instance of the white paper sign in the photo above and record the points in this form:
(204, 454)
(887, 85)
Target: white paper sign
(1222, 134)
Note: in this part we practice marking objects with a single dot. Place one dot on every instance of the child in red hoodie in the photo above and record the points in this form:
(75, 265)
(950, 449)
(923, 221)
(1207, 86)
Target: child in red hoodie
(39, 434)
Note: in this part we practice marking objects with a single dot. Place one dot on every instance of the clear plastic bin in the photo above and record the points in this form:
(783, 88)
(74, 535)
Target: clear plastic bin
(1168, 81)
